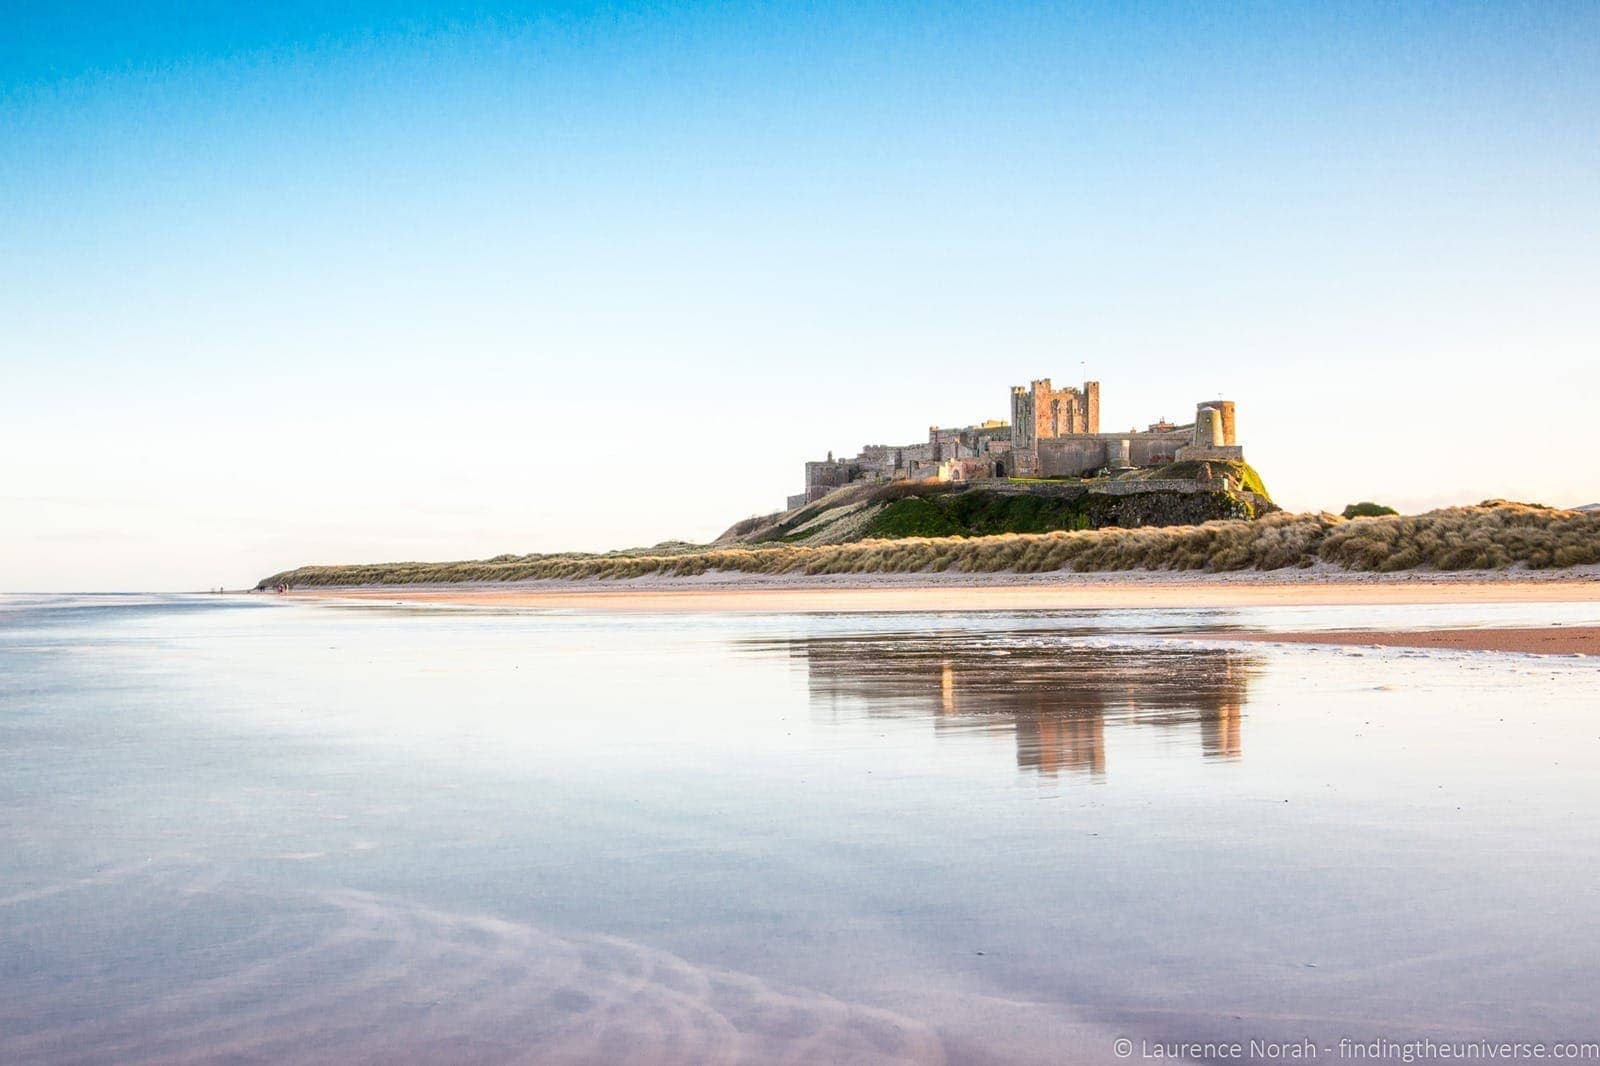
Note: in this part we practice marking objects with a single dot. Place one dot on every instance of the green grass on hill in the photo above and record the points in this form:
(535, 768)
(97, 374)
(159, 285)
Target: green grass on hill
(978, 514)
(1242, 472)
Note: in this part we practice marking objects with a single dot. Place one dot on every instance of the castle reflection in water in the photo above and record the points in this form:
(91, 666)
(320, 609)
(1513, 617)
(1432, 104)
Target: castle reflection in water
(1055, 693)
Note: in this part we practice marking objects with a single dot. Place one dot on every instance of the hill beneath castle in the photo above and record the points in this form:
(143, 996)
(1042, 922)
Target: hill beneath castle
(1179, 494)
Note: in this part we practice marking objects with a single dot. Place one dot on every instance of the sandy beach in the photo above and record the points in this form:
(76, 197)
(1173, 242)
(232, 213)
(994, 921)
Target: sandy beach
(1544, 640)
(724, 593)
(992, 592)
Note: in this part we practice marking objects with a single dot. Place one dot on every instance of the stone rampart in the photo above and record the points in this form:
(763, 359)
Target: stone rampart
(1110, 487)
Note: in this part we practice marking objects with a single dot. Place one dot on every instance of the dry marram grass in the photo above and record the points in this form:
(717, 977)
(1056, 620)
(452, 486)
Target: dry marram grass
(1494, 535)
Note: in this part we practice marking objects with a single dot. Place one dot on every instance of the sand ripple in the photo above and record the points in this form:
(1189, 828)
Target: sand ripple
(349, 977)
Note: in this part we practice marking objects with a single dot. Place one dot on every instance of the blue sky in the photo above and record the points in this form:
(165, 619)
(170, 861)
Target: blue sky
(319, 282)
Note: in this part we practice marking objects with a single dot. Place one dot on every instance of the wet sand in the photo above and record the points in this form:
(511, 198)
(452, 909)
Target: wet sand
(1547, 640)
(356, 834)
(918, 592)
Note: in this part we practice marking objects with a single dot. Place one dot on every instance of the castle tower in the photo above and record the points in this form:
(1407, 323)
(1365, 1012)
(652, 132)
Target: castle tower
(1022, 423)
(1213, 434)
(1046, 410)
(1225, 408)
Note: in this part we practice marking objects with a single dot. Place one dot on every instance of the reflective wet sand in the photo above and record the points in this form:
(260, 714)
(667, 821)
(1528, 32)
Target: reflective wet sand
(1540, 640)
(343, 976)
(254, 833)
(1054, 696)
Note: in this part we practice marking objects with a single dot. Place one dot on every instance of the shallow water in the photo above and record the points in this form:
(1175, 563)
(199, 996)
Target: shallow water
(242, 830)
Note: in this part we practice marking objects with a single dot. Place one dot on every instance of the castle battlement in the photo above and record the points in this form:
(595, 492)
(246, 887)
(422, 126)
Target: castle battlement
(1052, 433)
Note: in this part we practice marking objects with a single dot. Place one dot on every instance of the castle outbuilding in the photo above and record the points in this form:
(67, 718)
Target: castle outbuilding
(1053, 433)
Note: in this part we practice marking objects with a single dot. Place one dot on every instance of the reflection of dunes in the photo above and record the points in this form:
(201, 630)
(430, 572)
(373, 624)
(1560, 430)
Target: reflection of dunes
(349, 977)
(1054, 694)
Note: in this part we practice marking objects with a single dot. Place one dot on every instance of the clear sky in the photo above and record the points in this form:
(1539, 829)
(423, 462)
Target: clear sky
(311, 282)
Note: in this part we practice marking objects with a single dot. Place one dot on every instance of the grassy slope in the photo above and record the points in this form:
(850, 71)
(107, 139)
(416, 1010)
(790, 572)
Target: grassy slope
(978, 513)
(975, 514)
(1494, 535)
(950, 509)
(1240, 471)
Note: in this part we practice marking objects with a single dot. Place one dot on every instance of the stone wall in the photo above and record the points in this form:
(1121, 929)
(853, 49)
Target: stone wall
(967, 442)
(1210, 451)
(1154, 449)
(1161, 484)
(1071, 456)
(977, 467)
(1158, 502)
(1122, 487)
(1076, 456)
(830, 474)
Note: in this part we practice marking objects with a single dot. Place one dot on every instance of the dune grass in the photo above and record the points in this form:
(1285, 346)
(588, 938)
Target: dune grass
(1494, 535)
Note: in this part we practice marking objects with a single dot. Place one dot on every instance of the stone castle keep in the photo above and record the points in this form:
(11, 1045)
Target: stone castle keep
(1052, 433)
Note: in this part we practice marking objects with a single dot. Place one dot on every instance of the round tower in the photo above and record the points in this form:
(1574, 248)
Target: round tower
(1225, 408)
(1208, 431)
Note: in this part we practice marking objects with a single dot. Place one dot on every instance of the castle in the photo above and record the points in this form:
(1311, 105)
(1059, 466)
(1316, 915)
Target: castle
(1053, 433)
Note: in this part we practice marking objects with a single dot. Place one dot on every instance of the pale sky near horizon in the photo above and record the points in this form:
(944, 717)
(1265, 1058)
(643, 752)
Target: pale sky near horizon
(363, 282)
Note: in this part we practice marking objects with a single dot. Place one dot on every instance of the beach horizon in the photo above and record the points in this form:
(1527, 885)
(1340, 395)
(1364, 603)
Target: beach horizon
(944, 593)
